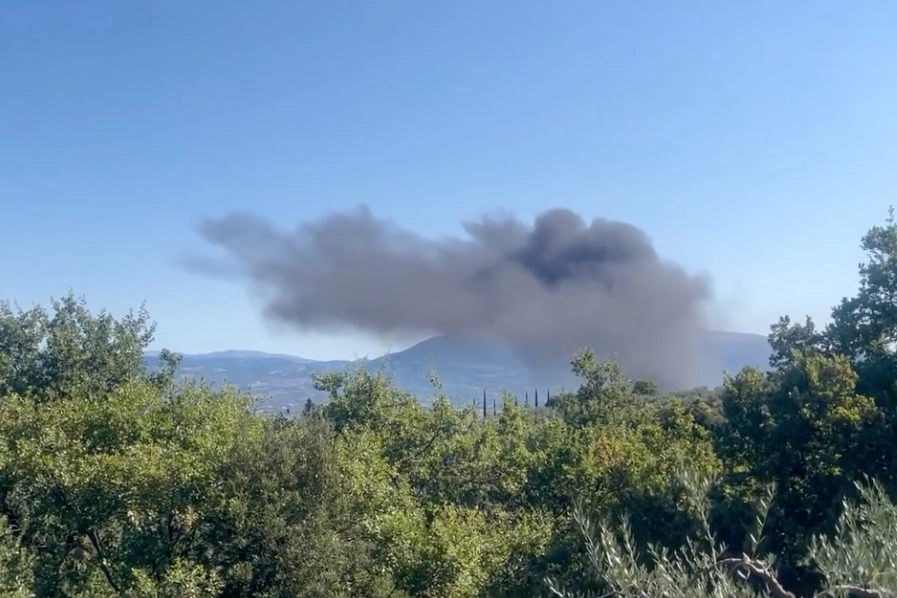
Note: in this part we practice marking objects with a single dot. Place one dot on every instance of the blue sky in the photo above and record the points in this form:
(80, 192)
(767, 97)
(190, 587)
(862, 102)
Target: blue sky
(756, 141)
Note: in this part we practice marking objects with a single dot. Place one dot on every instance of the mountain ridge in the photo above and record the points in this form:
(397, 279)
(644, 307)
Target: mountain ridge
(466, 366)
(722, 335)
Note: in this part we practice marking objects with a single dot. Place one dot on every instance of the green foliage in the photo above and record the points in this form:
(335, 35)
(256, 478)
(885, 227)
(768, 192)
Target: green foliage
(118, 481)
(104, 476)
(70, 352)
(626, 567)
(605, 396)
(859, 562)
(16, 563)
(645, 388)
(863, 551)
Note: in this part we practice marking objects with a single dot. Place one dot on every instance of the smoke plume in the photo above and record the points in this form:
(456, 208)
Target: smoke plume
(547, 289)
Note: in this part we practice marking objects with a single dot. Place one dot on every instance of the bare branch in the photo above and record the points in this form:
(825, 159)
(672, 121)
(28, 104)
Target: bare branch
(746, 567)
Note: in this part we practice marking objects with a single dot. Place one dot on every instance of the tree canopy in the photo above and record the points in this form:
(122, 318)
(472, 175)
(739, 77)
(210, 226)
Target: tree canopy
(116, 480)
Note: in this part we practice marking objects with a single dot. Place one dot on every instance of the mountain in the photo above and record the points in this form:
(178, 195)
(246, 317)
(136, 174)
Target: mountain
(465, 367)
(731, 351)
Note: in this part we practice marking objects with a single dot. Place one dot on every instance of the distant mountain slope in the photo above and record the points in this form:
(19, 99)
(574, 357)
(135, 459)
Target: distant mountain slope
(731, 351)
(465, 366)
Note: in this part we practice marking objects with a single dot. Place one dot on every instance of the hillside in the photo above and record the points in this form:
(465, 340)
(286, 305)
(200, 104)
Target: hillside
(465, 366)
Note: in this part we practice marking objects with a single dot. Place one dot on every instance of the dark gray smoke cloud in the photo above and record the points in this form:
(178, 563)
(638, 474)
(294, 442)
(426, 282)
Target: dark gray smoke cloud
(548, 289)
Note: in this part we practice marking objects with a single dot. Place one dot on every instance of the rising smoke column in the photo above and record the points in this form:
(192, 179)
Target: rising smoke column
(547, 289)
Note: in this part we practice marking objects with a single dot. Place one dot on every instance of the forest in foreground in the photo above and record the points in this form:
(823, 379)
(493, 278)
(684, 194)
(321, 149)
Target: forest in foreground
(118, 481)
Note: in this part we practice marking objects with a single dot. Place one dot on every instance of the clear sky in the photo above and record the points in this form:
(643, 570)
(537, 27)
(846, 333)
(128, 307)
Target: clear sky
(756, 141)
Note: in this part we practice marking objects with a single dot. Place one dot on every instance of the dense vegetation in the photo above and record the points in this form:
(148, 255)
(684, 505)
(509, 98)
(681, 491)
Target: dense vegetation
(119, 481)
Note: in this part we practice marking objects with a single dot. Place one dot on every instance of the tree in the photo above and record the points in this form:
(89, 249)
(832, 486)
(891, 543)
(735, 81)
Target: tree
(865, 326)
(645, 388)
(605, 395)
(72, 351)
(124, 481)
